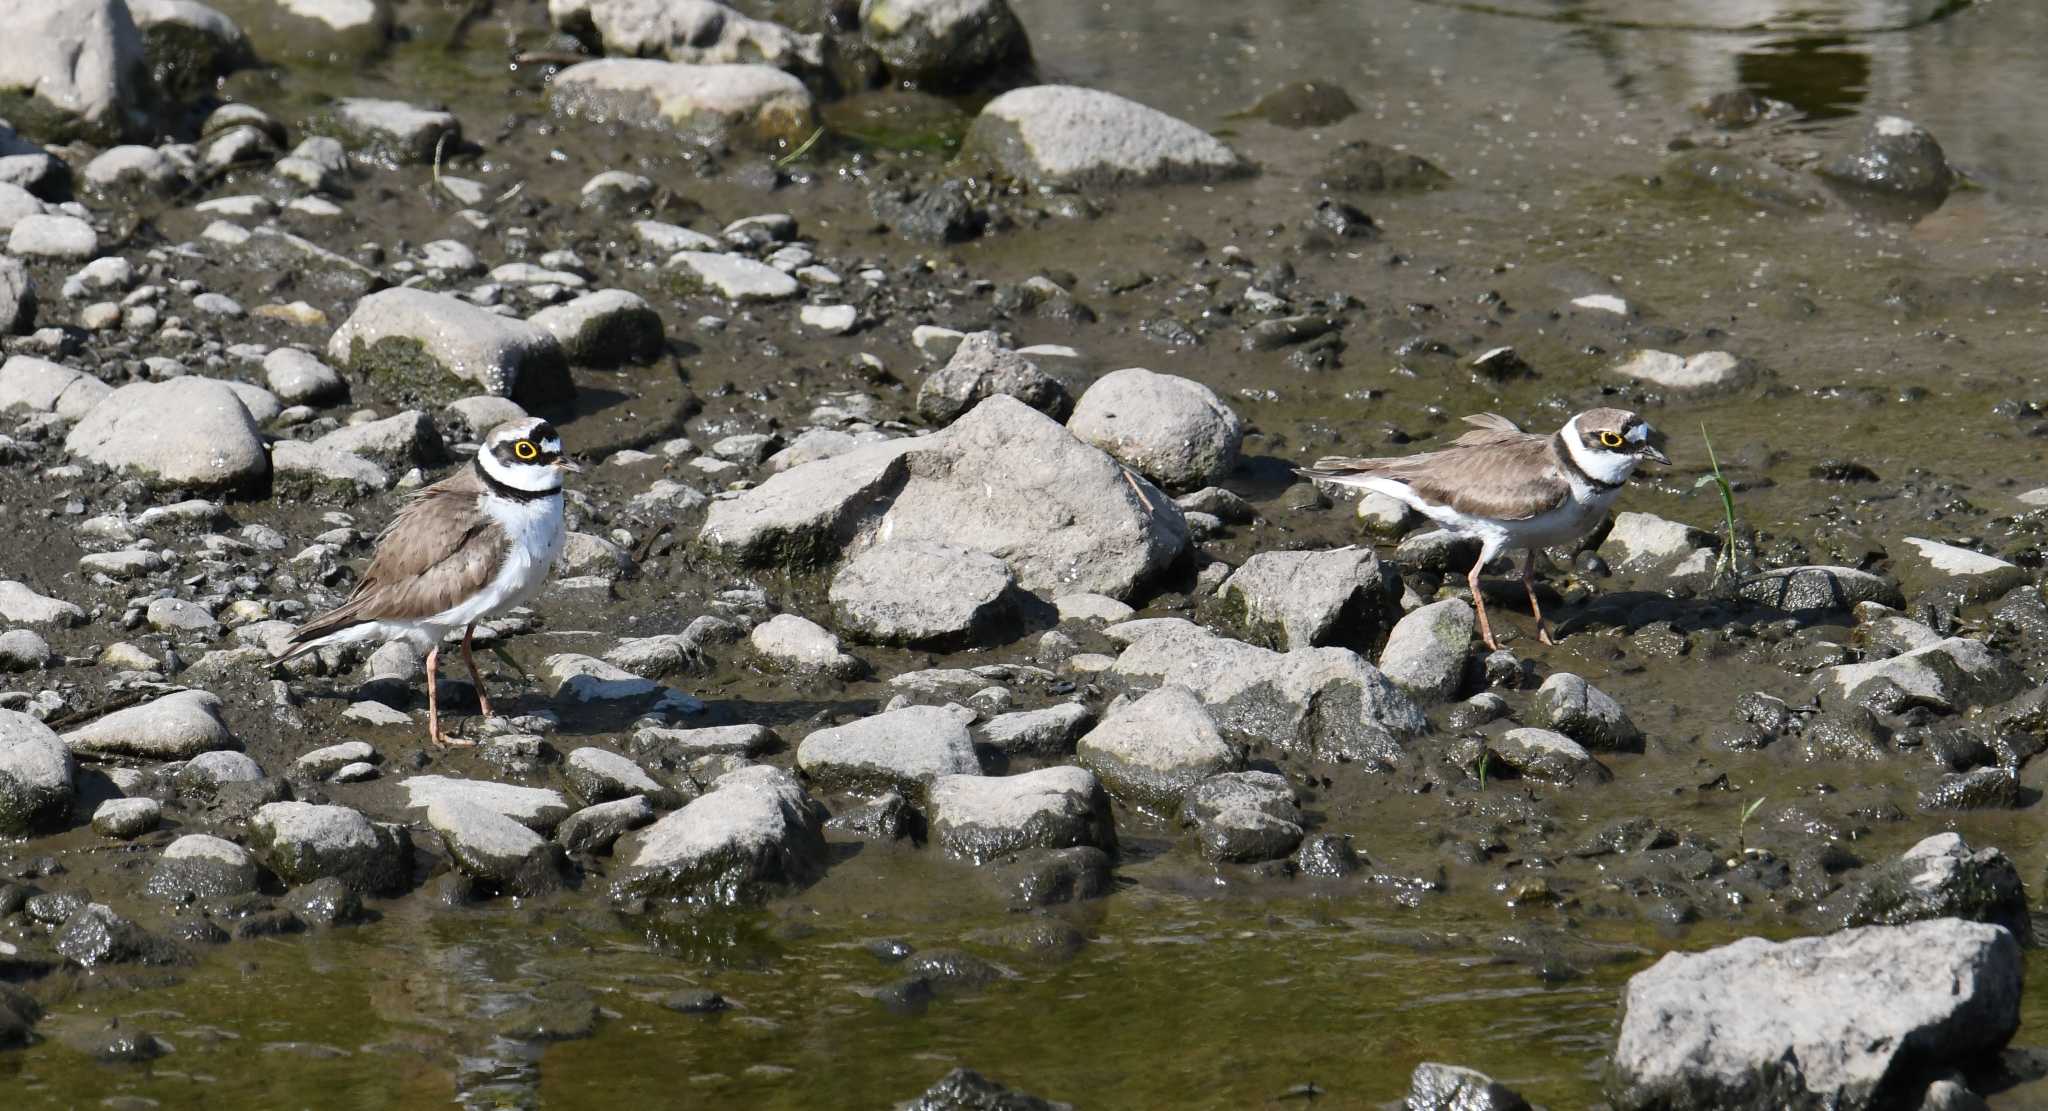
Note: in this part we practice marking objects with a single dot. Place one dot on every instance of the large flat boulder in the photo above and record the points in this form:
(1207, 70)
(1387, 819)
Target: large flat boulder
(738, 103)
(443, 347)
(1004, 479)
(1063, 137)
(74, 69)
(183, 433)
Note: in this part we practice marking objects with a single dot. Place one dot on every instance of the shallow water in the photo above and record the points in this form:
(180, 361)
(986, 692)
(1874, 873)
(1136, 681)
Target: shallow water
(1890, 341)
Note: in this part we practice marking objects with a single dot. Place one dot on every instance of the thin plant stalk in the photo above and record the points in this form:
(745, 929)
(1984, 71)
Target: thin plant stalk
(1726, 564)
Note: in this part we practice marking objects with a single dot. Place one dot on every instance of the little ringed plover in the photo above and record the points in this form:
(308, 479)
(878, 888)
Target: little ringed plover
(1511, 489)
(471, 546)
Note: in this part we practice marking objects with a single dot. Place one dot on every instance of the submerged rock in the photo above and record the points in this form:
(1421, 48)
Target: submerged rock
(1839, 1022)
(754, 833)
(1062, 137)
(967, 1090)
(1436, 1087)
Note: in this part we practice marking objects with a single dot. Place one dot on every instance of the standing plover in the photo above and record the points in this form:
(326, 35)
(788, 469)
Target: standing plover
(467, 548)
(1511, 489)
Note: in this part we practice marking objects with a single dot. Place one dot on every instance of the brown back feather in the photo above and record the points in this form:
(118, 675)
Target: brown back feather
(441, 547)
(1485, 472)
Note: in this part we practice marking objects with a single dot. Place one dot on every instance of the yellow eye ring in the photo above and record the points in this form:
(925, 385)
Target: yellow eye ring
(1610, 439)
(525, 450)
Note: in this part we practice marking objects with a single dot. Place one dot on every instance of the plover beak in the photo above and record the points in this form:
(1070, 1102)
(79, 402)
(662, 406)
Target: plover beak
(1653, 455)
(567, 464)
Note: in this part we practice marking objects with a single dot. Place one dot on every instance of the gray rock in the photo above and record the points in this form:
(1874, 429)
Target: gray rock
(407, 439)
(594, 829)
(430, 342)
(189, 45)
(327, 31)
(176, 615)
(201, 866)
(53, 235)
(473, 417)
(1051, 731)
(1174, 431)
(1005, 479)
(981, 818)
(1641, 542)
(1425, 653)
(903, 749)
(790, 643)
(302, 842)
(1954, 675)
(697, 31)
(17, 290)
(133, 170)
(833, 320)
(313, 470)
(29, 384)
(1893, 156)
(605, 327)
(754, 834)
(601, 775)
(1702, 373)
(19, 603)
(941, 44)
(981, 367)
(537, 808)
(1817, 1022)
(1961, 575)
(1813, 588)
(1311, 599)
(74, 69)
(924, 593)
(1324, 702)
(1586, 714)
(176, 726)
(1062, 137)
(733, 277)
(1152, 749)
(736, 103)
(1099, 609)
(22, 650)
(126, 819)
(496, 850)
(323, 762)
(1244, 817)
(300, 378)
(36, 776)
(1548, 756)
(184, 433)
(1941, 877)
(393, 131)
(209, 771)
(1437, 1087)
(682, 746)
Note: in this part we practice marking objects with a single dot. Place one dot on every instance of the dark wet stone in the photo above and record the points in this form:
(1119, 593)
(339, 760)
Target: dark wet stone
(1740, 108)
(1329, 855)
(1436, 1087)
(982, 367)
(1893, 156)
(889, 950)
(1941, 877)
(1052, 876)
(1586, 714)
(18, 1014)
(52, 907)
(695, 1001)
(1041, 939)
(889, 818)
(327, 902)
(1243, 817)
(1299, 104)
(909, 996)
(1338, 220)
(967, 1090)
(1850, 733)
(274, 922)
(117, 1046)
(1842, 470)
(1982, 789)
(952, 970)
(1820, 588)
(1748, 178)
(1363, 167)
(1766, 712)
(562, 1013)
(948, 212)
(196, 931)
(95, 935)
